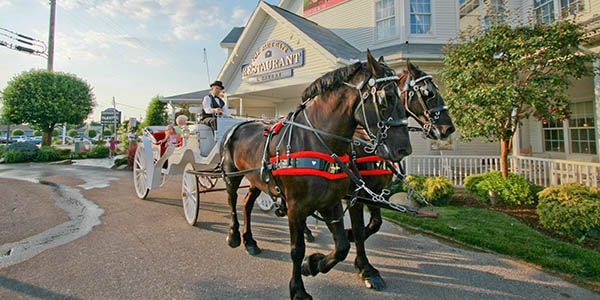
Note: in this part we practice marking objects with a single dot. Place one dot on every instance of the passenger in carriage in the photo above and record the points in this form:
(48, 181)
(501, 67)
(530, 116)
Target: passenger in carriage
(213, 106)
(181, 122)
(171, 137)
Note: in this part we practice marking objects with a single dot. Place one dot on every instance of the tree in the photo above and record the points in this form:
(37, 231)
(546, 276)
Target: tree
(497, 78)
(157, 113)
(44, 99)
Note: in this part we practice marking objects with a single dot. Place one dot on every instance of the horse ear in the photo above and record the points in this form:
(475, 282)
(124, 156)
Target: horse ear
(371, 62)
(380, 60)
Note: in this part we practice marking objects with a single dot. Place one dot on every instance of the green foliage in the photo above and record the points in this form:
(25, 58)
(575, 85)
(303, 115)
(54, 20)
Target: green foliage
(572, 210)
(17, 132)
(29, 150)
(47, 153)
(44, 98)
(503, 234)
(99, 152)
(92, 133)
(120, 161)
(496, 78)
(437, 190)
(107, 132)
(157, 113)
(2, 149)
(14, 156)
(72, 133)
(56, 132)
(37, 133)
(513, 190)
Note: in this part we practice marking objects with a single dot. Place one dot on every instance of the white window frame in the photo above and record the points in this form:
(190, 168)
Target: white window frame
(428, 14)
(545, 11)
(392, 31)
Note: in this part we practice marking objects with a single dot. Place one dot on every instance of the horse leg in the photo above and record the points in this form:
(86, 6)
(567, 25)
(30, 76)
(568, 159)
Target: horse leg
(249, 242)
(297, 251)
(375, 221)
(318, 262)
(366, 271)
(233, 236)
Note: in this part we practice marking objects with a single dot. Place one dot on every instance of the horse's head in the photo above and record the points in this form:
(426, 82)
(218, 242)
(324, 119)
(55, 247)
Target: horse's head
(424, 103)
(380, 111)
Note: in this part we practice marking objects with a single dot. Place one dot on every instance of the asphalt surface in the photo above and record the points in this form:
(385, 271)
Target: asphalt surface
(79, 232)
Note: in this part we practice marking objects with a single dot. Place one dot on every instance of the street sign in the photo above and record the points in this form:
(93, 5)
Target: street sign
(109, 116)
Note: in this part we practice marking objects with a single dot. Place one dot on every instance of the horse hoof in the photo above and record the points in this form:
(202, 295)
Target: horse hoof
(234, 240)
(375, 283)
(253, 250)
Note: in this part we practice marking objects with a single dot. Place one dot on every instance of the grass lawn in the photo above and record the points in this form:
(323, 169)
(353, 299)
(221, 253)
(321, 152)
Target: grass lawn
(500, 233)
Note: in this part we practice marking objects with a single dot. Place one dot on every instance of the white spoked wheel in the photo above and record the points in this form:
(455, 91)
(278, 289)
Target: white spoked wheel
(190, 195)
(206, 182)
(140, 175)
(265, 202)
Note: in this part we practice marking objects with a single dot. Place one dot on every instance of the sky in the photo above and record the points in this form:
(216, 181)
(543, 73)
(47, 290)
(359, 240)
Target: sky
(127, 50)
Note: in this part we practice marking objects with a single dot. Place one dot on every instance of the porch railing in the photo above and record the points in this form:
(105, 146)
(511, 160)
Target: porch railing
(541, 171)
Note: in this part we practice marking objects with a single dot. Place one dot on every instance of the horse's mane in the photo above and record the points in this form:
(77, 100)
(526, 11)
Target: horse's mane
(330, 80)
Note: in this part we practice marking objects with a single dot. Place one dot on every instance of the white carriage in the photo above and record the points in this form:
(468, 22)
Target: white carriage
(195, 157)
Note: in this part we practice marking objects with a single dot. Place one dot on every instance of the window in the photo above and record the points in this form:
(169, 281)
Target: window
(544, 11)
(581, 128)
(385, 19)
(420, 16)
(570, 7)
(554, 136)
(495, 13)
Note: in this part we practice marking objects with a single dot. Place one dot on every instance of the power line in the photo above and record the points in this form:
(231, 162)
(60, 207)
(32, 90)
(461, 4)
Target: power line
(23, 43)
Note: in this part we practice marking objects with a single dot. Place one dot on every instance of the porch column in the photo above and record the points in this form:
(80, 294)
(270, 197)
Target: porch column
(597, 106)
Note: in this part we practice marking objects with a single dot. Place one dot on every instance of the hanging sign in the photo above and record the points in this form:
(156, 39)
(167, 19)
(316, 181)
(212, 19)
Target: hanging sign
(273, 60)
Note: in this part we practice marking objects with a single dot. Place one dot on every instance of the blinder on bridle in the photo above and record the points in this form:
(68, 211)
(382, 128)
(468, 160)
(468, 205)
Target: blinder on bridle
(425, 94)
(376, 89)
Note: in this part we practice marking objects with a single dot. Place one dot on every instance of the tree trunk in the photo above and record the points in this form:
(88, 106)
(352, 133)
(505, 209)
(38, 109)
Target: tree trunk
(504, 148)
(47, 138)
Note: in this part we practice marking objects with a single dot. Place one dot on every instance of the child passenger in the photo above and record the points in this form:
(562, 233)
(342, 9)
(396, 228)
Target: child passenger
(170, 136)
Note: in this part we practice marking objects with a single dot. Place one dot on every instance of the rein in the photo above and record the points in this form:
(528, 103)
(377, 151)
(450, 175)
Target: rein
(433, 115)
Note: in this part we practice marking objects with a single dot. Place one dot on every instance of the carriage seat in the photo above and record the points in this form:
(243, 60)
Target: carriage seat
(159, 135)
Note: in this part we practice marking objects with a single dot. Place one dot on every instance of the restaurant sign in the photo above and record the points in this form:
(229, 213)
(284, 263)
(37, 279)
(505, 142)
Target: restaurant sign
(273, 60)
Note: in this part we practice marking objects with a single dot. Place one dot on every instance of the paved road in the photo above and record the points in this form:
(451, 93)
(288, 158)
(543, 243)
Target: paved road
(72, 232)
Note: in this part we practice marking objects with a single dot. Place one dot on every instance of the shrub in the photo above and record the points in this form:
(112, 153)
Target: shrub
(29, 150)
(72, 133)
(438, 190)
(1, 149)
(14, 156)
(513, 190)
(99, 152)
(47, 153)
(571, 210)
(18, 132)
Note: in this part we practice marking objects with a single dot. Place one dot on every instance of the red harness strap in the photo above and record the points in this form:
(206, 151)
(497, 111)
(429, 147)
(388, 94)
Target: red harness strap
(372, 166)
(308, 163)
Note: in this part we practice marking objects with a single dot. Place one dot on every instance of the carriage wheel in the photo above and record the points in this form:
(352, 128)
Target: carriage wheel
(206, 183)
(265, 202)
(190, 194)
(140, 175)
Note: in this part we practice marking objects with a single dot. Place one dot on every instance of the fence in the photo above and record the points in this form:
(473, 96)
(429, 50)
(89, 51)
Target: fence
(541, 171)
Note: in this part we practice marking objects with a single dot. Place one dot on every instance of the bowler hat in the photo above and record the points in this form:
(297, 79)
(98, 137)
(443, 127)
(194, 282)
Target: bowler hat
(217, 83)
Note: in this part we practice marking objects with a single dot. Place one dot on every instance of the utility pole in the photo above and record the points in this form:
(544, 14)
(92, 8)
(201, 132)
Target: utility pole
(51, 35)
(114, 118)
(206, 61)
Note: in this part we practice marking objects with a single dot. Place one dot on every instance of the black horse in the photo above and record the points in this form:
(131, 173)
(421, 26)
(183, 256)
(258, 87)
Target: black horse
(306, 163)
(424, 103)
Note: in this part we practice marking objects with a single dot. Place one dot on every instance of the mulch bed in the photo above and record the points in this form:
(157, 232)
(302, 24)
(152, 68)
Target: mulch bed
(527, 215)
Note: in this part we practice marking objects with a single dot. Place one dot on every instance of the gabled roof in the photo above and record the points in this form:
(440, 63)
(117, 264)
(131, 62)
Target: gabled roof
(333, 43)
(232, 37)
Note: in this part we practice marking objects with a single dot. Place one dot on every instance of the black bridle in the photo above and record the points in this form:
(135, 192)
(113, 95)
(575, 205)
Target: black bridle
(375, 88)
(422, 94)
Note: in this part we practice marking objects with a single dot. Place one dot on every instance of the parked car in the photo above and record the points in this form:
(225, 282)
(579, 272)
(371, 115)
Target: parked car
(17, 138)
(35, 139)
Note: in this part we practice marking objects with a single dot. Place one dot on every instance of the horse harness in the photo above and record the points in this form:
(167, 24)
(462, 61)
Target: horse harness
(332, 166)
(422, 92)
